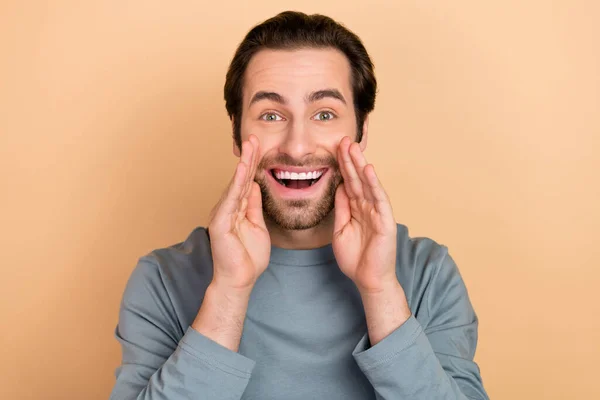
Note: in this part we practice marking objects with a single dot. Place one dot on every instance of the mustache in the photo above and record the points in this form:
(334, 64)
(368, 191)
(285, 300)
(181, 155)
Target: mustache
(286, 159)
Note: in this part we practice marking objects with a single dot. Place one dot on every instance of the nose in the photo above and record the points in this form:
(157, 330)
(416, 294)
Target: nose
(298, 141)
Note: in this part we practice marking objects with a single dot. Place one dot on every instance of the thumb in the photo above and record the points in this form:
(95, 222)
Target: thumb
(342, 209)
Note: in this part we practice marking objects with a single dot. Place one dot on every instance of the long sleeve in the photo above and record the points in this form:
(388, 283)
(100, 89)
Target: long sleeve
(430, 356)
(159, 361)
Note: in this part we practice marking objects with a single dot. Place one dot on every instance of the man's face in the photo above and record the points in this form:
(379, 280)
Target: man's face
(299, 104)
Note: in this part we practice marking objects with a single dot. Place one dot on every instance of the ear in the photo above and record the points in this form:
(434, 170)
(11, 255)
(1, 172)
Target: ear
(365, 134)
(236, 150)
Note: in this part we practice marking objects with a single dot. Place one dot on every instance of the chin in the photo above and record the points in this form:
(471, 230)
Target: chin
(299, 213)
(293, 215)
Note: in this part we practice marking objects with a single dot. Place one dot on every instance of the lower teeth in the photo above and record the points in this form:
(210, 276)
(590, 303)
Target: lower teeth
(312, 182)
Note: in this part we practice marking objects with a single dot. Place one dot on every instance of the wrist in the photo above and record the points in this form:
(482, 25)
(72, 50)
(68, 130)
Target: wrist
(228, 296)
(221, 315)
(385, 310)
(381, 288)
(235, 292)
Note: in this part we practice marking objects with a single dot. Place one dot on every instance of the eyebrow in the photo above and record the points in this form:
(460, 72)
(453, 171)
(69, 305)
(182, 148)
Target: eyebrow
(262, 95)
(321, 94)
(311, 98)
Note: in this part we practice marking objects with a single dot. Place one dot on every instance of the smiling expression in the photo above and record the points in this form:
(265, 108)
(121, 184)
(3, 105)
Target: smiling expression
(299, 104)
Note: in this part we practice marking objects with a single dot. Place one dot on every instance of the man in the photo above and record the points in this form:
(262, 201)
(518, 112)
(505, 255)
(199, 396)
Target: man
(302, 286)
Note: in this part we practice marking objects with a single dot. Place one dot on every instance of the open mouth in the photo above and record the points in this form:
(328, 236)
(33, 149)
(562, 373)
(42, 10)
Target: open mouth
(295, 180)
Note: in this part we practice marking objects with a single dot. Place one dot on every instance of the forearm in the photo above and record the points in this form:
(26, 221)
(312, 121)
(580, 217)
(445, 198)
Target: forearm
(385, 311)
(158, 363)
(428, 358)
(404, 366)
(222, 314)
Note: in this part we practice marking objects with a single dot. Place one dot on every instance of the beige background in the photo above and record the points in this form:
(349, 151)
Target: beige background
(114, 141)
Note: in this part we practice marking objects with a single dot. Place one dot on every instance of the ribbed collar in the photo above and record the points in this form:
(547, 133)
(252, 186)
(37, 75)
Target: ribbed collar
(301, 258)
(317, 256)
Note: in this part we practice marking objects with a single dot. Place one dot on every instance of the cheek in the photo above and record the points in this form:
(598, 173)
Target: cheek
(269, 142)
(330, 135)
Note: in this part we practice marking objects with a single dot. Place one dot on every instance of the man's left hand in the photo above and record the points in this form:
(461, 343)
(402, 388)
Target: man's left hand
(364, 242)
(364, 233)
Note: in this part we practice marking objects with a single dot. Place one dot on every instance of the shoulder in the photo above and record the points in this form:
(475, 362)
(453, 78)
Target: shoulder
(174, 277)
(424, 267)
(418, 255)
(170, 262)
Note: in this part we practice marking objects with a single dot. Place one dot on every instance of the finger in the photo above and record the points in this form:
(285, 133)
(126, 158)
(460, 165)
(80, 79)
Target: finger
(235, 188)
(230, 202)
(249, 160)
(342, 212)
(351, 179)
(254, 212)
(341, 166)
(246, 156)
(381, 199)
(255, 161)
(229, 189)
(344, 175)
(360, 162)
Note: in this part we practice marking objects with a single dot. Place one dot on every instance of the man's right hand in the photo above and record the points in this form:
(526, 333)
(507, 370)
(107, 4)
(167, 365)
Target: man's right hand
(239, 240)
(241, 248)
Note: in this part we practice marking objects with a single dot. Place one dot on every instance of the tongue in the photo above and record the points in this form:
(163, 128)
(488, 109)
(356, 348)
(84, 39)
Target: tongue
(299, 184)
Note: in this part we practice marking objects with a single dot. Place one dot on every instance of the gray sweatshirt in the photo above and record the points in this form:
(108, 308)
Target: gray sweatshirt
(305, 334)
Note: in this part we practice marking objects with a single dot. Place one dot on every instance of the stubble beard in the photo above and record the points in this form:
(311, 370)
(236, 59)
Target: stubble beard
(300, 214)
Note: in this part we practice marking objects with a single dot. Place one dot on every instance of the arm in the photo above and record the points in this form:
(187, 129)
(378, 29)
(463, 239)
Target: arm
(162, 363)
(385, 311)
(430, 361)
(203, 364)
(221, 316)
(405, 360)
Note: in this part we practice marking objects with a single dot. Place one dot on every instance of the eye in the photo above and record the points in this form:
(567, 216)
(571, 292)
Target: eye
(270, 117)
(325, 116)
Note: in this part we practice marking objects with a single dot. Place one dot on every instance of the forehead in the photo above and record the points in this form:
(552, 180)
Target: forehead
(293, 73)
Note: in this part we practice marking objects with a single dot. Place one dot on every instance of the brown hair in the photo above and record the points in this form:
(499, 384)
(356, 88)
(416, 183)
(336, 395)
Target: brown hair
(294, 30)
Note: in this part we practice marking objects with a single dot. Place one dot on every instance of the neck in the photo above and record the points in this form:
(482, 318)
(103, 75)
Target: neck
(312, 238)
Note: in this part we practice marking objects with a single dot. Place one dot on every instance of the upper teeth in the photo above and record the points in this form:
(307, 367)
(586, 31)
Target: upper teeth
(297, 176)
